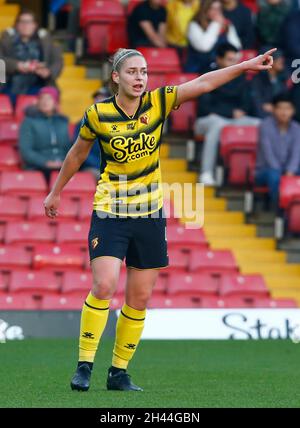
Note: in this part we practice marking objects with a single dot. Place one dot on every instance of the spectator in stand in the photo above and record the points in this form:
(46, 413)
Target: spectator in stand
(279, 147)
(295, 94)
(179, 15)
(147, 25)
(32, 60)
(291, 37)
(241, 18)
(268, 84)
(92, 162)
(206, 31)
(227, 105)
(44, 134)
(269, 21)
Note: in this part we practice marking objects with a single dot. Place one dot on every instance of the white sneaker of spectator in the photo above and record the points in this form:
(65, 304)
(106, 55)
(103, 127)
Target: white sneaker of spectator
(207, 179)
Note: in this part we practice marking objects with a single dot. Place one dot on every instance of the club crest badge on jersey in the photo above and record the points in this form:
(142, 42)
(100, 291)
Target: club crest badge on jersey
(144, 119)
(95, 242)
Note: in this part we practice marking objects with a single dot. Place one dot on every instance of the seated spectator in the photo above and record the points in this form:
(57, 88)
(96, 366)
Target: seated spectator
(269, 21)
(147, 25)
(279, 147)
(206, 31)
(92, 163)
(241, 18)
(267, 84)
(227, 105)
(290, 36)
(179, 15)
(44, 134)
(32, 60)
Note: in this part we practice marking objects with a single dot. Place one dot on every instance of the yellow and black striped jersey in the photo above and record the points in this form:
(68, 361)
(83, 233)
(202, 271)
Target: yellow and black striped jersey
(130, 182)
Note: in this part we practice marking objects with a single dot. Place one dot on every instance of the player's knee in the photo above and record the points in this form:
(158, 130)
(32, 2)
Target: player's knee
(103, 288)
(140, 300)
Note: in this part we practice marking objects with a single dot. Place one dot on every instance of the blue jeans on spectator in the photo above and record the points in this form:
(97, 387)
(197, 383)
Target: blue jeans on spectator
(271, 178)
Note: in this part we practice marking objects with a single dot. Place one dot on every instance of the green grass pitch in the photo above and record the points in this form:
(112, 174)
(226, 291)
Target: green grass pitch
(183, 374)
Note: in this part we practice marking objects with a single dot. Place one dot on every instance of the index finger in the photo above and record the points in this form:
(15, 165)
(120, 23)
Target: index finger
(269, 52)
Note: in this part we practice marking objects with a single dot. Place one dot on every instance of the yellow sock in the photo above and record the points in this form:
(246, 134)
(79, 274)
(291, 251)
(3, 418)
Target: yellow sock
(130, 326)
(94, 317)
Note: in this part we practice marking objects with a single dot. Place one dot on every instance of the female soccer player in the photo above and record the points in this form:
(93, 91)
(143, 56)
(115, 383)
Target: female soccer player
(127, 219)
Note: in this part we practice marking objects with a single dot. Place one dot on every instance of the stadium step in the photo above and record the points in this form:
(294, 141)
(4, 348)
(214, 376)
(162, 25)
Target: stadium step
(73, 72)
(86, 85)
(224, 230)
(244, 256)
(218, 243)
(164, 151)
(216, 217)
(69, 58)
(270, 269)
(282, 282)
(173, 165)
(287, 293)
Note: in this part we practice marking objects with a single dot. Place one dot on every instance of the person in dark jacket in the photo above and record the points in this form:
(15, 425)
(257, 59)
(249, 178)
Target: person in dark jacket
(240, 16)
(268, 84)
(227, 105)
(32, 59)
(269, 21)
(290, 36)
(147, 25)
(44, 134)
(279, 147)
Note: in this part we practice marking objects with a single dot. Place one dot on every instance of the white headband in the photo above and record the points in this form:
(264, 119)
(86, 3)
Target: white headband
(126, 54)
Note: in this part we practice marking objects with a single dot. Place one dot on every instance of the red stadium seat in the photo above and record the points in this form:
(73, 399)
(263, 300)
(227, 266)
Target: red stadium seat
(24, 101)
(57, 257)
(3, 285)
(183, 119)
(18, 302)
(77, 283)
(169, 212)
(104, 25)
(216, 262)
(23, 183)
(243, 285)
(156, 81)
(9, 159)
(6, 108)
(289, 200)
(9, 132)
(2, 229)
(274, 303)
(167, 302)
(62, 302)
(28, 233)
(67, 209)
(238, 150)
(179, 78)
(196, 284)
(85, 209)
(12, 208)
(181, 237)
(72, 233)
(289, 191)
(117, 36)
(35, 282)
(178, 260)
(12, 258)
(81, 185)
(161, 60)
(104, 11)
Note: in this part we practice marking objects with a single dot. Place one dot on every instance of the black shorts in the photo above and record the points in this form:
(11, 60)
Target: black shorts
(141, 240)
